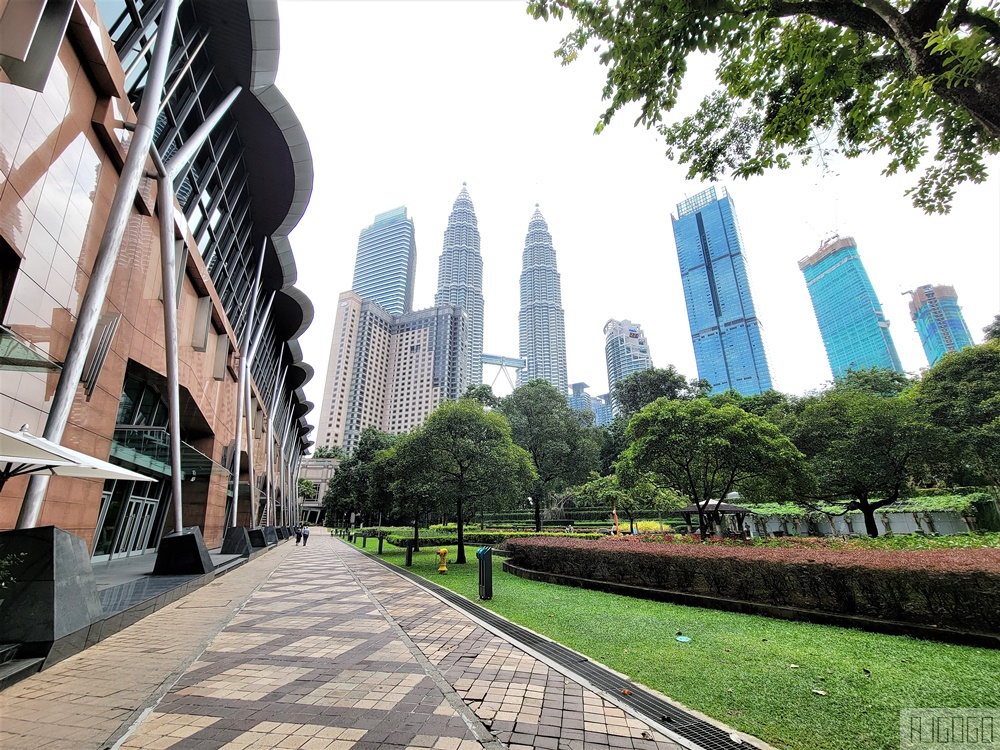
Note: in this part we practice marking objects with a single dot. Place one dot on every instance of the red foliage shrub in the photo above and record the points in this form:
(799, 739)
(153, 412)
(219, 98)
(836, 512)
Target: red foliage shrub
(957, 588)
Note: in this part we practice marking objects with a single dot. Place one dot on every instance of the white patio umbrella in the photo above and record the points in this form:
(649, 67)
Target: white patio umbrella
(23, 453)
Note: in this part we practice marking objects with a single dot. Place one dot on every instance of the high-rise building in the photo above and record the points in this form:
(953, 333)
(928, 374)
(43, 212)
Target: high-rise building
(938, 318)
(354, 395)
(602, 410)
(626, 351)
(427, 365)
(541, 322)
(582, 401)
(851, 322)
(389, 371)
(726, 334)
(387, 262)
(579, 399)
(460, 278)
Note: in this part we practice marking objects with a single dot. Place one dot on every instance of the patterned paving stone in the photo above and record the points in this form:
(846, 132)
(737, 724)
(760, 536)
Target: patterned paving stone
(331, 651)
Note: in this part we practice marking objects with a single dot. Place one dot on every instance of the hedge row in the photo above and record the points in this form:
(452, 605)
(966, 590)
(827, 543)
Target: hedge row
(479, 537)
(954, 588)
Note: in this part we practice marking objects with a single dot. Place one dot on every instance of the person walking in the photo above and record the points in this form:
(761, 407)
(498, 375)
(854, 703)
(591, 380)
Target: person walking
(305, 535)
(298, 534)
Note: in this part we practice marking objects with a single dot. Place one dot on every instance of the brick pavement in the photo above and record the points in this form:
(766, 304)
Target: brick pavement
(332, 651)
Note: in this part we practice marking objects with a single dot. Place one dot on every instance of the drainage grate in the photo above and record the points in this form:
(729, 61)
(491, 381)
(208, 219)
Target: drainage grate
(700, 732)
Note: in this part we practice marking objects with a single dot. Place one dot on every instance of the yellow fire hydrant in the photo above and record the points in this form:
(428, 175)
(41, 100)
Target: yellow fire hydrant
(444, 556)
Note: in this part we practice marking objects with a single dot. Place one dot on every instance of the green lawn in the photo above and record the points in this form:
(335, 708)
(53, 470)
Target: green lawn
(737, 668)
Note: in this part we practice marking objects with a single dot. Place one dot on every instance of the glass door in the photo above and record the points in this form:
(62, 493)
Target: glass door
(131, 518)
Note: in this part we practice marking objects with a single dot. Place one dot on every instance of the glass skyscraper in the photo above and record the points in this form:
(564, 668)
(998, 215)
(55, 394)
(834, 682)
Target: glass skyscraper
(851, 322)
(725, 331)
(938, 318)
(541, 322)
(460, 278)
(599, 406)
(626, 351)
(387, 262)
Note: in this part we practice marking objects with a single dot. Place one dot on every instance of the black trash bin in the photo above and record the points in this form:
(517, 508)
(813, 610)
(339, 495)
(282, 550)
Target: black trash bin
(409, 552)
(485, 557)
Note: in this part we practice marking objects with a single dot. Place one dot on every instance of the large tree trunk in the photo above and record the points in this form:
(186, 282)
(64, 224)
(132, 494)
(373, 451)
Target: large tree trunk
(416, 534)
(460, 559)
(539, 500)
(868, 513)
(981, 98)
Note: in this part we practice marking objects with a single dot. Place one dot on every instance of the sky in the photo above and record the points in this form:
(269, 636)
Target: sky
(403, 101)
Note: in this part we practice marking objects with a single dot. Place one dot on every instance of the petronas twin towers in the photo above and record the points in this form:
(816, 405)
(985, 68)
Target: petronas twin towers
(460, 277)
(390, 366)
(541, 320)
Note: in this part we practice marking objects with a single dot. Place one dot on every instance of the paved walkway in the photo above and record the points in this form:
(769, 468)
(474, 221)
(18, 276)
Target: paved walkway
(317, 648)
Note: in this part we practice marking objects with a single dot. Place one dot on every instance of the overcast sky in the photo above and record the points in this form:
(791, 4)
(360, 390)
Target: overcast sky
(402, 102)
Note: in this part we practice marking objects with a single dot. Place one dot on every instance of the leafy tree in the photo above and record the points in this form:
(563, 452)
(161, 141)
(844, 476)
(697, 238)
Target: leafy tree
(483, 394)
(992, 331)
(962, 395)
(878, 76)
(307, 489)
(772, 405)
(350, 490)
(558, 438)
(398, 472)
(866, 451)
(645, 386)
(644, 495)
(329, 451)
(878, 381)
(704, 452)
(465, 454)
(612, 443)
(632, 394)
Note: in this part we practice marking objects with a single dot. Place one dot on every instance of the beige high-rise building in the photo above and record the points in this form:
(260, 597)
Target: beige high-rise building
(389, 371)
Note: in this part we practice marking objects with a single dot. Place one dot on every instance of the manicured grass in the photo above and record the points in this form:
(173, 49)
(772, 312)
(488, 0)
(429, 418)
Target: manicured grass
(737, 668)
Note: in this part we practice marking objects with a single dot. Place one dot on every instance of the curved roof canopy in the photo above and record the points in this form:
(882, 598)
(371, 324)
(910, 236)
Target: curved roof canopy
(244, 47)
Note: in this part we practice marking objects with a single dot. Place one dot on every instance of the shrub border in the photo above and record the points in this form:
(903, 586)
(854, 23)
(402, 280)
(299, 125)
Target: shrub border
(797, 614)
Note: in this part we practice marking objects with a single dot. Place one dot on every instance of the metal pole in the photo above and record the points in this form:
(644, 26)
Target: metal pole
(107, 255)
(180, 74)
(241, 384)
(284, 446)
(270, 432)
(192, 145)
(165, 204)
(248, 404)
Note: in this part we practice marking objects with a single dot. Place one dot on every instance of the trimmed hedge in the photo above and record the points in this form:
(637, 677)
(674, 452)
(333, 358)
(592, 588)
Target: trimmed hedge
(952, 588)
(479, 537)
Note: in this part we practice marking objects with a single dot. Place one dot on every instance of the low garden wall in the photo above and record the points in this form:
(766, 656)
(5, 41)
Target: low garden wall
(942, 588)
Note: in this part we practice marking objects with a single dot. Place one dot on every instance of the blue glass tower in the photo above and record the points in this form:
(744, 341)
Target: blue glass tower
(727, 337)
(938, 318)
(851, 322)
(387, 262)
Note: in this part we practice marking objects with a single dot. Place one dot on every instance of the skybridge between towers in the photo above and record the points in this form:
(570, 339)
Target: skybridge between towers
(505, 365)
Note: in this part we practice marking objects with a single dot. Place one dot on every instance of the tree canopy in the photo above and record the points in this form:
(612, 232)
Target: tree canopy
(562, 447)
(351, 489)
(466, 455)
(704, 452)
(992, 331)
(645, 386)
(329, 451)
(962, 395)
(883, 76)
(307, 489)
(865, 450)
